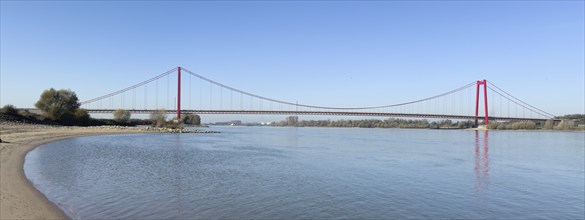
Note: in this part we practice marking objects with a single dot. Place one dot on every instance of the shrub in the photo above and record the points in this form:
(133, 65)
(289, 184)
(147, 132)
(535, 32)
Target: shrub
(548, 124)
(122, 115)
(191, 119)
(464, 124)
(565, 125)
(524, 125)
(158, 118)
(517, 125)
(9, 109)
(82, 116)
(494, 125)
(173, 125)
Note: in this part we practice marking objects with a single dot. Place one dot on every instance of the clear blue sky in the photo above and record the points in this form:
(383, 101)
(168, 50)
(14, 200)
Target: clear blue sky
(324, 53)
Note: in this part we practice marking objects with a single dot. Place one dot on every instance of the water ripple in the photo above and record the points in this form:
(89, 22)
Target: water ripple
(310, 173)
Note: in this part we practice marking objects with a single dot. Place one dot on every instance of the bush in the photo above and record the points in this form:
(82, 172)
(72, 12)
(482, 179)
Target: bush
(158, 118)
(58, 104)
(522, 125)
(517, 125)
(82, 116)
(548, 125)
(191, 119)
(576, 118)
(565, 125)
(173, 125)
(122, 115)
(493, 125)
(464, 124)
(9, 109)
(434, 125)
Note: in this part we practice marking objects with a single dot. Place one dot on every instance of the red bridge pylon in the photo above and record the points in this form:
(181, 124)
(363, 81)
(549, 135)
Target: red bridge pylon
(480, 83)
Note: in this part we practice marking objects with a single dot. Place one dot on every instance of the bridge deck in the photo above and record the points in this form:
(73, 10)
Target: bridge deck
(336, 113)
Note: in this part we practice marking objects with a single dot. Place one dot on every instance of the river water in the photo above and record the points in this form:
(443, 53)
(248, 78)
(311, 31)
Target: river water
(316, 173)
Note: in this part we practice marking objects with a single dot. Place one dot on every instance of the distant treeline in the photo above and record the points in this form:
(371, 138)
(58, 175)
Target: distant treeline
(568, 122)
(578, 119)
(374, 123)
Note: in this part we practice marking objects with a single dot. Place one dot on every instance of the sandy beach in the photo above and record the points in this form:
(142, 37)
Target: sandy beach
(18, 198)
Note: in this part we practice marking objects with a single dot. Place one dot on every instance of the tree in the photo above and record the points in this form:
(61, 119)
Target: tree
(191, 119)
(58, 104)
(158, 118)
(122, 115)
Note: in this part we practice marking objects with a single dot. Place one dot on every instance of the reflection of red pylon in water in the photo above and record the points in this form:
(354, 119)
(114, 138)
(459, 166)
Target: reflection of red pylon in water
(178, 162)
(482, 162)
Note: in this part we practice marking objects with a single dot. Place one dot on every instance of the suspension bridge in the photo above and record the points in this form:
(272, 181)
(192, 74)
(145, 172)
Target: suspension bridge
(467, 102)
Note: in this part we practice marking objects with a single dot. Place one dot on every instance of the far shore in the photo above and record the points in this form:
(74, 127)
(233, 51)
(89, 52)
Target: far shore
(19, 199)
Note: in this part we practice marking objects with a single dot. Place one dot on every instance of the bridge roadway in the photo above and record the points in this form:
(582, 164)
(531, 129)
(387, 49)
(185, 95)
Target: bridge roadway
(337, 113)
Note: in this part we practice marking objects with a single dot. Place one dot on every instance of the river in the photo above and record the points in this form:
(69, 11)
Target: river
(315, 173)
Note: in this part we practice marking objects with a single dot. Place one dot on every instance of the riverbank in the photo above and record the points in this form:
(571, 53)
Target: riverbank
(19, 199)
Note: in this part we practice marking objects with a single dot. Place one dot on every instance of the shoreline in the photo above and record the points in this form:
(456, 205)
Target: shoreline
(19, 199)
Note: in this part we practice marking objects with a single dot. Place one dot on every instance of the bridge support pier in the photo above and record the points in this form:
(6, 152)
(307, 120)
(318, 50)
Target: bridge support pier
(480, 83)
